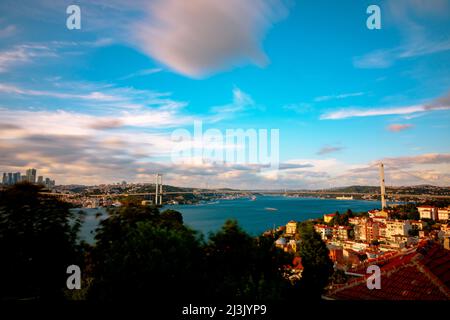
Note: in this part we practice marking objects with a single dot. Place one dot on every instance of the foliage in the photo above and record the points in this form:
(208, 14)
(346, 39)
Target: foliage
(239, 266)
(38, 241)
(142, 254)
(405, 212)
(317, 264)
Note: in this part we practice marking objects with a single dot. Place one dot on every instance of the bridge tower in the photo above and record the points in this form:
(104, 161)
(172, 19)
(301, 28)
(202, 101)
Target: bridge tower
(158, 189)
(382, 186)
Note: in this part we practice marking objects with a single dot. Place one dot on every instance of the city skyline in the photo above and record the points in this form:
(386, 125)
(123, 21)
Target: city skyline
(99, 105)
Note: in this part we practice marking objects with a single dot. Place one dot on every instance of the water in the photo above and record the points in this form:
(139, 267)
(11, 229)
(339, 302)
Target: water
(254, 217)
(251, 215)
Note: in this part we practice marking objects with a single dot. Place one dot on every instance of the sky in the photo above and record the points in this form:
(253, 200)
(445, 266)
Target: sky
(104, 103)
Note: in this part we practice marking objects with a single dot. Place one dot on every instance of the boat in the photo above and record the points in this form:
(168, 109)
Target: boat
(344, 198)
(252, 198)
(271, 209)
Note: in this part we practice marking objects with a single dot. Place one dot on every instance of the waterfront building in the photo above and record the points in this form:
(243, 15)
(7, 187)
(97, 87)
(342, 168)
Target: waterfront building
(328, 217)
(291, 228)
(378, 213)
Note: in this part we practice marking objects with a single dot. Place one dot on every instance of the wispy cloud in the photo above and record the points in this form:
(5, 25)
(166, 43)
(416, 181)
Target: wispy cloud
(8, 31)
(141, 73)
(442, 103)
(386, 58)
(338, 96)
(399, 127)
(418, 37)
(21, 54)
(241, 103)
(329, 149)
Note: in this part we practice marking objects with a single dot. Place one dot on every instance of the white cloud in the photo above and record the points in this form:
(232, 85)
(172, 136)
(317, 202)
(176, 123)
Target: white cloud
(23, 54)
(442, 103)
(199, 37)
(351, 113)
(338, 96)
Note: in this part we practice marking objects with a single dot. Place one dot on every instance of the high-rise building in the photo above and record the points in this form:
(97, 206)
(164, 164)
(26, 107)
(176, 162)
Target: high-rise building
(16, 177)
(10, 178)
(40, 180)
(31, 175)
(5, 178)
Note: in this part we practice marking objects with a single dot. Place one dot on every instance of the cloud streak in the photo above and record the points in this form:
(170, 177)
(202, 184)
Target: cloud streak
(329, 149)
(442, 103)
(399, 127)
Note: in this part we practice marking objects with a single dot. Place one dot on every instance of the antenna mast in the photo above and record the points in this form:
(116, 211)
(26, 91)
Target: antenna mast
(382, 186)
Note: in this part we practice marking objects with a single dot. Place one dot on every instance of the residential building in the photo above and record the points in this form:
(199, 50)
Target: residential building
(341, 232)
(397, 228)
(443, 214)
(378, 213)
(324, 231)
(427, 212)
(418, 224)
(328, 217)
(291, 228)
(419, 274)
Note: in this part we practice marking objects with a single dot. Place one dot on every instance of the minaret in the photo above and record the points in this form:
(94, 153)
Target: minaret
(383, 191)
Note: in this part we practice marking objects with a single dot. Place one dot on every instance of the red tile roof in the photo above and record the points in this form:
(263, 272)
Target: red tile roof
(421, 274)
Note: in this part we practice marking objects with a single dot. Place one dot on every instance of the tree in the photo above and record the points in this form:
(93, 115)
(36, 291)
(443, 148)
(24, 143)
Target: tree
(38, 241)
(241, 267)
(141, 254)
(316, 263)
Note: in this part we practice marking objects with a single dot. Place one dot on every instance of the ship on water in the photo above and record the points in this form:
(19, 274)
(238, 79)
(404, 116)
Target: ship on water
(344, 198)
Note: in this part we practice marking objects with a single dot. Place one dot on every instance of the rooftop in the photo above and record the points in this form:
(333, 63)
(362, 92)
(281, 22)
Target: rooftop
(419, 274)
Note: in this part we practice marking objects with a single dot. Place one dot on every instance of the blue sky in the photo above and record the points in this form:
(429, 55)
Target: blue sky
(99, 104)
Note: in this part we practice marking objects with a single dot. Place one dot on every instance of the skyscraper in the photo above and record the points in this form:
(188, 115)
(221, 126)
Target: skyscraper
(31, 175)
(16, 177)
(40, 180)
(5, 178)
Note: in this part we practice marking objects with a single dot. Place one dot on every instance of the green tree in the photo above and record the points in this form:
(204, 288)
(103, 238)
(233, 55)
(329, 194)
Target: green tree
(141, 254)
(38, 241)
(316, 262)
(241, 267)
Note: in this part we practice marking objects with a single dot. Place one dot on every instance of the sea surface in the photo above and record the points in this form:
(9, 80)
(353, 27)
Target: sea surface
(254, 217)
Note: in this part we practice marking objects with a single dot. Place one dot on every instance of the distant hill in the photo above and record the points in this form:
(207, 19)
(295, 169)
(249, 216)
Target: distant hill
(419, 189)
